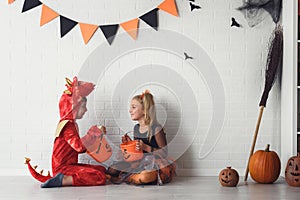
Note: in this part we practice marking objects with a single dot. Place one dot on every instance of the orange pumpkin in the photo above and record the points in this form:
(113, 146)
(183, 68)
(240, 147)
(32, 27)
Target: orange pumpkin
(292, 171)
(229, 177)
(264, 166)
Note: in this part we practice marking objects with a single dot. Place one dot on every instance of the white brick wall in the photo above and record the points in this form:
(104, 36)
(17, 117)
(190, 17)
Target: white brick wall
(35, 61)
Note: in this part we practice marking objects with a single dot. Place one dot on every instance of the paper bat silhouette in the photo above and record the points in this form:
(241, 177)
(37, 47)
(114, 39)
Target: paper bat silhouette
(194, 6)
(234, 22)
(187, 56)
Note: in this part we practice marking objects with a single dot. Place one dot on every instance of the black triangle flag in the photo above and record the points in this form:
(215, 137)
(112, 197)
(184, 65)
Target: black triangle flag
(151, 18)
(66, 25)
(29, 4)
(110, 32)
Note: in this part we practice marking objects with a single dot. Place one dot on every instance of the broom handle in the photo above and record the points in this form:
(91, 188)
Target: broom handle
(254, 139)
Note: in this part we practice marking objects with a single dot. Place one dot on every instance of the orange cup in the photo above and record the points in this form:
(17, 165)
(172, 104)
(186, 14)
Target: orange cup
(129, 151)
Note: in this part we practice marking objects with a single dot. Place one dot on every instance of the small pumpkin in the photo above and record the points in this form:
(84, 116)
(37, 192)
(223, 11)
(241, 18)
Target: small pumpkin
(229, 177)
(264, 166)
(292, 171)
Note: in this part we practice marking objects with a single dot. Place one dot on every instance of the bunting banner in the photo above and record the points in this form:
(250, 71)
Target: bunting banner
(29, 4)
(47, 15)
(110, 30)
(66, 25)
(151, 18)
(87, 31)
(131, 27)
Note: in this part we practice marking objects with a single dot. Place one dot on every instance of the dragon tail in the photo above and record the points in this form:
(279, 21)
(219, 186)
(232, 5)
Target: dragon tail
(38, 176)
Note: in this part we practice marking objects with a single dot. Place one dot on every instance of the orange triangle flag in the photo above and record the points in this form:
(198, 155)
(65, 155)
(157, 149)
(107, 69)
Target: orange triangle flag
(131, 27)
(10, 1)
(169, 6)
(87, 31)
(47, 15)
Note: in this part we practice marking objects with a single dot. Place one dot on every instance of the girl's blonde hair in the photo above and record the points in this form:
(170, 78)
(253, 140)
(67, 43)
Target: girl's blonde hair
(148, 105)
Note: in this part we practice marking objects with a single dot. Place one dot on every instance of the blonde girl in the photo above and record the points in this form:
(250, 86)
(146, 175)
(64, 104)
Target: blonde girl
(148, 132)
(150, 138)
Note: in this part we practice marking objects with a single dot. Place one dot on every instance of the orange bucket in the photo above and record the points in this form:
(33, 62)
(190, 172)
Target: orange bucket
(129, 151)
(100, 150)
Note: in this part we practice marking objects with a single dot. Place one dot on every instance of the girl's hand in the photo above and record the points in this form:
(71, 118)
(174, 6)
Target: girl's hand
(139, 145)
(125, 138)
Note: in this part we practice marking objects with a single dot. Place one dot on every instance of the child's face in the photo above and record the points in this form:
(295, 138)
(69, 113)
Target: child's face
(136, 110)
(82, 110)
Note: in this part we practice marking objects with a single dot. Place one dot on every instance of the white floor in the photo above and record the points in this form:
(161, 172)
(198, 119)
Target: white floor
(24, 187)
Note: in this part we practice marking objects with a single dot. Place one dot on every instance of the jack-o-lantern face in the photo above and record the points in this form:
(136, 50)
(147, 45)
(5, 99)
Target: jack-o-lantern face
(229, 177)
(103, 146)
(126, 155)
(292, 171)
(129, 151)
(100, 150)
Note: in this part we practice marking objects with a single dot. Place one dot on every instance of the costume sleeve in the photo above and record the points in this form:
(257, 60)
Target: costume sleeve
(72, 138)
(161, 141)
(160, 137)
(135, 131)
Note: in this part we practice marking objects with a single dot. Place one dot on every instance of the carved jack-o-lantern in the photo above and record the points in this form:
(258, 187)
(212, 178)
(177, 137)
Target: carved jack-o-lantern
(100, 150)
(129, 151)
(229, 177)
(292, 171)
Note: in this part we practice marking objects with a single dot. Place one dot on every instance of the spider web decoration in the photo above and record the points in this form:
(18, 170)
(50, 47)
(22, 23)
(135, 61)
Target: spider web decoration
(256, 10)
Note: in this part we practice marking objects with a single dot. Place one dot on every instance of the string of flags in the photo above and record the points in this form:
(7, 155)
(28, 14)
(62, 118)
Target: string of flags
(109, 31)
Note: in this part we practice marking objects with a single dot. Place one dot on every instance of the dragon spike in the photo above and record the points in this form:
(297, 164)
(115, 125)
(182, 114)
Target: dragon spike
(35, 166)
(27, 160)
(41, 172)
(48, 173)
(69, 82)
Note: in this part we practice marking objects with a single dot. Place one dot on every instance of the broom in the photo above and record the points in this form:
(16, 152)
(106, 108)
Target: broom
(274, 61)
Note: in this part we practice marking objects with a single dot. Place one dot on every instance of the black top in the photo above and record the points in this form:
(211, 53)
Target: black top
(143, 136)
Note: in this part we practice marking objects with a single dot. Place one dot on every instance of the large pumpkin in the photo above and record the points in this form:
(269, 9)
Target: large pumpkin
(264, 166)
(229, 177)
(292, 171)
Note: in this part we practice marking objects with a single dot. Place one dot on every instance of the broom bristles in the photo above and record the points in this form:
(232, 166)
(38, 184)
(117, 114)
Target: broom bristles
(274, 61)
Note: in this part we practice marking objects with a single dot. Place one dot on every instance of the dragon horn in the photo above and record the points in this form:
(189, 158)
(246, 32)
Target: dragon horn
(27, 160)
(69, 82)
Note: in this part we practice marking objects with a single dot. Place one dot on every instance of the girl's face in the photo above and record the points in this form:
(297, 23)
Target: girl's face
(82, 110)
(136, 110)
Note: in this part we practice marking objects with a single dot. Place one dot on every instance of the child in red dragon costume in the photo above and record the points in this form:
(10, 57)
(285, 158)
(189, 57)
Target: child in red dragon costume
(67, 144)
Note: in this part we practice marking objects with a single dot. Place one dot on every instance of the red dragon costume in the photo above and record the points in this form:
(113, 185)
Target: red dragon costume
(68, 144)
